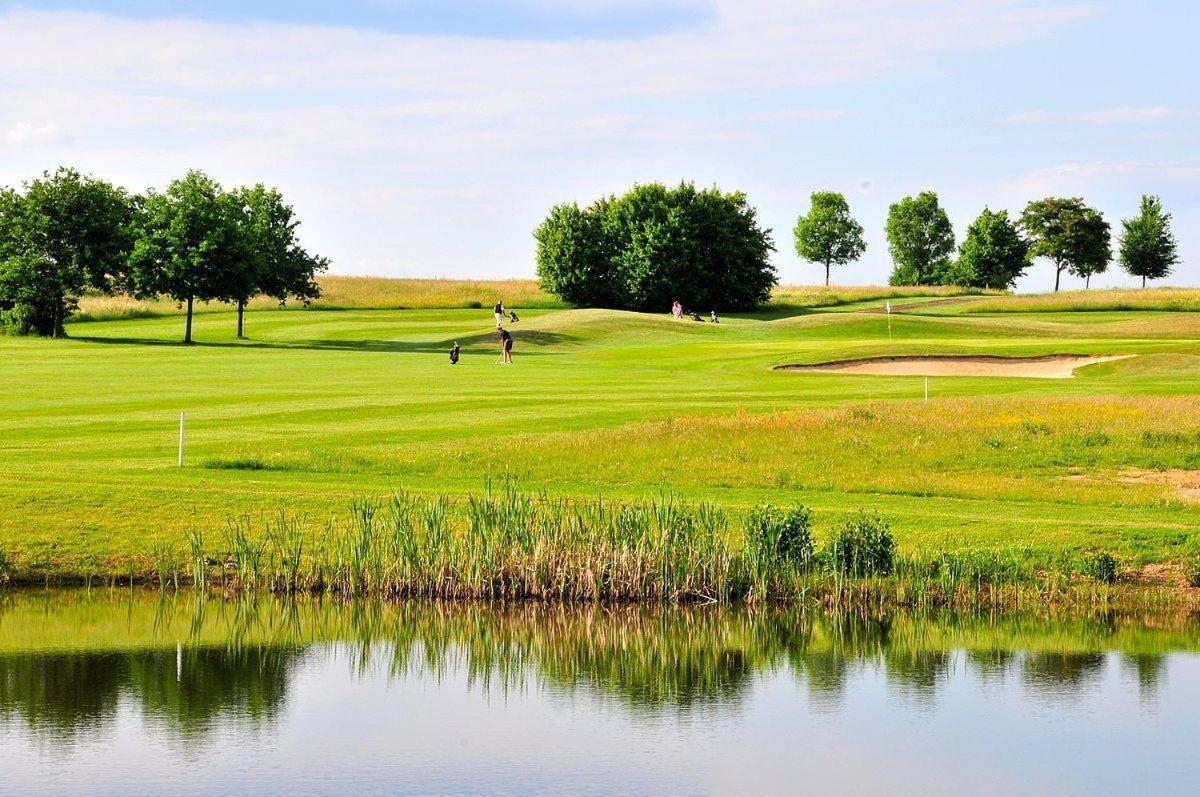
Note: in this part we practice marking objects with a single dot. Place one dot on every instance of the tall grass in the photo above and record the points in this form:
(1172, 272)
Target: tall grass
(346, 293)
(509, 545)
(806, 296)
(1170, 299)
(388, 293)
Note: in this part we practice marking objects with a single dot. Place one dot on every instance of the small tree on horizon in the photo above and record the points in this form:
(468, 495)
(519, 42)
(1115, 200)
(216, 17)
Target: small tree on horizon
(1068, 233)
(920, 239)
(189, 244)
(1148, 248)
(829, 234)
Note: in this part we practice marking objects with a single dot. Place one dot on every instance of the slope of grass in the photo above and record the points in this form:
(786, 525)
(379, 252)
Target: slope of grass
(320, 407)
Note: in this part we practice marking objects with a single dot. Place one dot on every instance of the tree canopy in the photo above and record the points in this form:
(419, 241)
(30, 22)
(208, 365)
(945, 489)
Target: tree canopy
(1068, 233)
(64, 233)
(188, 246)
(1148, 249)
(655, 245)
(828, 234)
(276, 264)
(993, 255)
(920, 240)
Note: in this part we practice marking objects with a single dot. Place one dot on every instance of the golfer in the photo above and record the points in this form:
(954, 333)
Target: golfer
(498, 311)
(506, 344)
(454, 354)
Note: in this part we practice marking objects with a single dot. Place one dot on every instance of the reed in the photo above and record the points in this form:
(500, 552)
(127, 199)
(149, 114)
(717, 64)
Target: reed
(506, 545)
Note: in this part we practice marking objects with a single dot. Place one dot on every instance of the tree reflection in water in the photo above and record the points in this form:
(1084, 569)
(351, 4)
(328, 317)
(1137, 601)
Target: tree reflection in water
(69, 660)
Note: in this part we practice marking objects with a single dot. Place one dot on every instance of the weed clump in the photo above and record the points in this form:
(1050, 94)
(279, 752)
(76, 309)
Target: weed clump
(774, 536)
(1101, 566)
(864, 546)
(1192, 571)
(241, 463)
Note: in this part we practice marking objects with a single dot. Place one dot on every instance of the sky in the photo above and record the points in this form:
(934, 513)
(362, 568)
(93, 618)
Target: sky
(430, 137)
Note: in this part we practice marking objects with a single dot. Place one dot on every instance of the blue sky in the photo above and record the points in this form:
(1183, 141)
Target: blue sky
(429, 138)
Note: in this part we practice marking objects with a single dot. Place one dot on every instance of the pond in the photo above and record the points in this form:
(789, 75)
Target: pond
(139, 692)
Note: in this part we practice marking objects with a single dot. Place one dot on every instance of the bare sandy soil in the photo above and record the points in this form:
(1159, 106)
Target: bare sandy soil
(1054, 366)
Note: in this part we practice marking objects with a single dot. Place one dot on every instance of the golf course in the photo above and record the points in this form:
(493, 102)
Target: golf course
(354, 399)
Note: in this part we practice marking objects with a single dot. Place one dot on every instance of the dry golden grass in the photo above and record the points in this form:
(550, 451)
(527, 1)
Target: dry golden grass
(1171, 299)
(821, 296)
(388, 293)
(348, 293)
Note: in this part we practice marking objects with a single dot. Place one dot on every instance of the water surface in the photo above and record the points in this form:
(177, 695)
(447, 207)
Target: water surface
(119, 693)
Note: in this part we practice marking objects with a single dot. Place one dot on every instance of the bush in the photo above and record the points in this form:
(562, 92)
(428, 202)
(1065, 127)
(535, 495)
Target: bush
(863, 546)
(1100, 566)
(1192, 571)
(655, 245)
(774, 536)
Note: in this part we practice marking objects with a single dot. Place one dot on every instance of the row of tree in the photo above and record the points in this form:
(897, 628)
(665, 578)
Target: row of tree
(655, 245)
(66, 233)
(997, 250)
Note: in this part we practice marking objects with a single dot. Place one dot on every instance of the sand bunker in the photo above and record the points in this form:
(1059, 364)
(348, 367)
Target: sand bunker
(1054, 366)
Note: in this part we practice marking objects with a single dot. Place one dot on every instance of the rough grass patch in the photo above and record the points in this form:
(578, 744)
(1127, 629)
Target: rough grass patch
(237, 463)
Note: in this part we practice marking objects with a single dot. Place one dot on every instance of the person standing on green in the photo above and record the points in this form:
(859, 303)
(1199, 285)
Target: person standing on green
(498, 311)
(506, 344)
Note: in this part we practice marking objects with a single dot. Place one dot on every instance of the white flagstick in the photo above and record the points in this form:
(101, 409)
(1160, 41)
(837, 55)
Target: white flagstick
(889, 314)
(182, 424)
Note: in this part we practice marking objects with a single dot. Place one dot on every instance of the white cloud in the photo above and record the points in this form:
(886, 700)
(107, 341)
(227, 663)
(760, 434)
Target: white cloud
(479, 134)
(31, 133)
(1106, 116)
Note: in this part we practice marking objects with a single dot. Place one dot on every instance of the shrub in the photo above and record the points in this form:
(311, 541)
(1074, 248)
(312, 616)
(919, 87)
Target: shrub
(1192, 571)
(773, 535)
(1100, 566)
(863, 546)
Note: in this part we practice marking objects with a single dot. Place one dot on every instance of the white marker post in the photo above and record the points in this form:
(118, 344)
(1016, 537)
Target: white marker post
(182, 426)
(889, 315)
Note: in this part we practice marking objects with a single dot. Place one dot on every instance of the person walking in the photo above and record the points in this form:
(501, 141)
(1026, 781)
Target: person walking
(454, 354)
(506, 344)
(498, 311)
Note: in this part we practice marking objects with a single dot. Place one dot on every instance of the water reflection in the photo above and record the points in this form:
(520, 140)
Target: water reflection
(68, 661)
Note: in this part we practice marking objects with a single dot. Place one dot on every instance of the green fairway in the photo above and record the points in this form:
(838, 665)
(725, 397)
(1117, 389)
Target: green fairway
(320, 406)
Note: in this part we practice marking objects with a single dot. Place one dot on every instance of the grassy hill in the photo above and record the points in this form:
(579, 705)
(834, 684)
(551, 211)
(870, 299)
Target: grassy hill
(321, 406)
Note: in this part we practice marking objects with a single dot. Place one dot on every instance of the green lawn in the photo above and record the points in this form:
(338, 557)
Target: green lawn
(328, 405)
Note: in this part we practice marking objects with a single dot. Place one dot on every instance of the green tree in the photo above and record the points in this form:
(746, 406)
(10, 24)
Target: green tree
(920, 239)
(574, 258)
(654, 245)
(71, 231)
(190, 243)
(829, 234)
(274, 264)
(1069, 234)
(993, 255)
(1148, 248)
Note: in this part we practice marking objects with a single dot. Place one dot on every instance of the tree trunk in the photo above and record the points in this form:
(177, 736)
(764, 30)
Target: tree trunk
(187, 332)
(1087, 282)
(56, 319)
(241, 316)
(826, 274)
(1143, 280)
(1057, 277)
